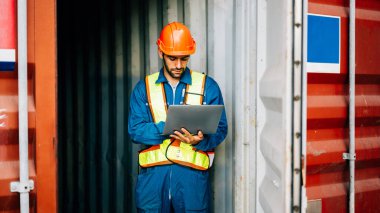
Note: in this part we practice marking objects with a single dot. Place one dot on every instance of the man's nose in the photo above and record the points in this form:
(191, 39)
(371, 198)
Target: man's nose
(178, 63)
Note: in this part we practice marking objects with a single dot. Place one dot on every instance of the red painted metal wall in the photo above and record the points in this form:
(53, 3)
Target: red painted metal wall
(327, 116)
(42, 115)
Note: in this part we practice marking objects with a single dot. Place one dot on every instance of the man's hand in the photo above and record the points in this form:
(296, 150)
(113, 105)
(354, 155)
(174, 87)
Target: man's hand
(187, 137)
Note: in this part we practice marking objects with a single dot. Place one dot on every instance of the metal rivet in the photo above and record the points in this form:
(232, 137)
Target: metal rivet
(296, 98)
(298, 135)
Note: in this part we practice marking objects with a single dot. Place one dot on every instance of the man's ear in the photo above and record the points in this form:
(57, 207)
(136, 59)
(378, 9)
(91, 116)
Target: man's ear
(161, 54)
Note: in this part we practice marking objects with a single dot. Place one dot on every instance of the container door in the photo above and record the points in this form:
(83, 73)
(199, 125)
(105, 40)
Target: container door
(327, 106)
(9, 149)
(41, 83)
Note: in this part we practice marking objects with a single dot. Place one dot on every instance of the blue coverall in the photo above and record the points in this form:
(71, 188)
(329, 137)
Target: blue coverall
(173, 187)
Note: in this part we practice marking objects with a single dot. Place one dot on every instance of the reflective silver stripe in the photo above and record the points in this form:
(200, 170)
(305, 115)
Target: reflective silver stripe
(211, 156)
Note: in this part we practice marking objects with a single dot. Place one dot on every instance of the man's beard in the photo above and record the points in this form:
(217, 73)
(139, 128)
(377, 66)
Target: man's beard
(170, 72)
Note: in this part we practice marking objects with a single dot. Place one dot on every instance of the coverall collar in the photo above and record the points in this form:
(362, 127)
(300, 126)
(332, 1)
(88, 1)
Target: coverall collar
(185, 77)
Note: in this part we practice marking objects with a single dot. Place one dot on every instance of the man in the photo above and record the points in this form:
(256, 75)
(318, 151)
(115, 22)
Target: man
(174, 176)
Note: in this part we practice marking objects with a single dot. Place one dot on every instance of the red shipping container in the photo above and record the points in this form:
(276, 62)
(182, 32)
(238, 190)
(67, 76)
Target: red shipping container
(327, 115)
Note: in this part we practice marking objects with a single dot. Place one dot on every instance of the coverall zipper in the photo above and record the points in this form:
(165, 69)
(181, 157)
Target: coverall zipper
(170, 183)
(170, 176)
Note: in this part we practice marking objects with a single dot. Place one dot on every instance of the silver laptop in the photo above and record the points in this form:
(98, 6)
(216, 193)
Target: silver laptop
(193, 118)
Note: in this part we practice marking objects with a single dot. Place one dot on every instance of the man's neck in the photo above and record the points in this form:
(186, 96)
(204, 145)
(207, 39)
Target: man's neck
(171, 80)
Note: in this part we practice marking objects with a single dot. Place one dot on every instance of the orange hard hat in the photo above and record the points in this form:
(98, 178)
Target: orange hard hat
(175, 39)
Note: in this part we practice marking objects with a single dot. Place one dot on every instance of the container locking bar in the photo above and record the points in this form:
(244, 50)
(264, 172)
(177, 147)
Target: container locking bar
(22, 187)
(349, 156)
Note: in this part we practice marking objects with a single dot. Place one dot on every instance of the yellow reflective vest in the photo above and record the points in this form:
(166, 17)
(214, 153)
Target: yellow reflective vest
(174, 151)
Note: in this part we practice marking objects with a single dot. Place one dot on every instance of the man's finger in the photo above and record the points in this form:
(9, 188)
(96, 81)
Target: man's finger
(185, 131)
(181, 137)
(177, 135)
(174, 136)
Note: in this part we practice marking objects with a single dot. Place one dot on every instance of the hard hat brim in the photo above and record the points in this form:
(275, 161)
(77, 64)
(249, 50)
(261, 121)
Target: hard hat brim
(171, 51)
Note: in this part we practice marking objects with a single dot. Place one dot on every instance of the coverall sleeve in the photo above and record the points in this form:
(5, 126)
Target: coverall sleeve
(141, 127)
(213, 96)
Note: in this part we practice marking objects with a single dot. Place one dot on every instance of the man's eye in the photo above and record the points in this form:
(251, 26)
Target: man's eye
(185, 59)
(171, 58)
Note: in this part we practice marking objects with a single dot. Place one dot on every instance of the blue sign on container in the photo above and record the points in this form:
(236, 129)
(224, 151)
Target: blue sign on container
(323, 44)
(7, 35)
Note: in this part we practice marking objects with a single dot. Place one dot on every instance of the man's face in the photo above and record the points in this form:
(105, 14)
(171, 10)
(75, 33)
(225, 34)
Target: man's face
(175, 65)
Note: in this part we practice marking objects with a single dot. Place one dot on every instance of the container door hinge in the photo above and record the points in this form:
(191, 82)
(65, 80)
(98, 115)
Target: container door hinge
(348, 156)
(22, 187)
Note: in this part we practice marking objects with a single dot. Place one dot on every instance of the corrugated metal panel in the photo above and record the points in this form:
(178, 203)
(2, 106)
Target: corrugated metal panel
(105, 47)
(327, 116)
(242, 93)
(102, 62)
(100, 59)
(275, 103)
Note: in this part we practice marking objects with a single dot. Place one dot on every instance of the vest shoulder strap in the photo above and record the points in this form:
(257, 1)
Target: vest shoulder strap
(156, 97)
(195, 91)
